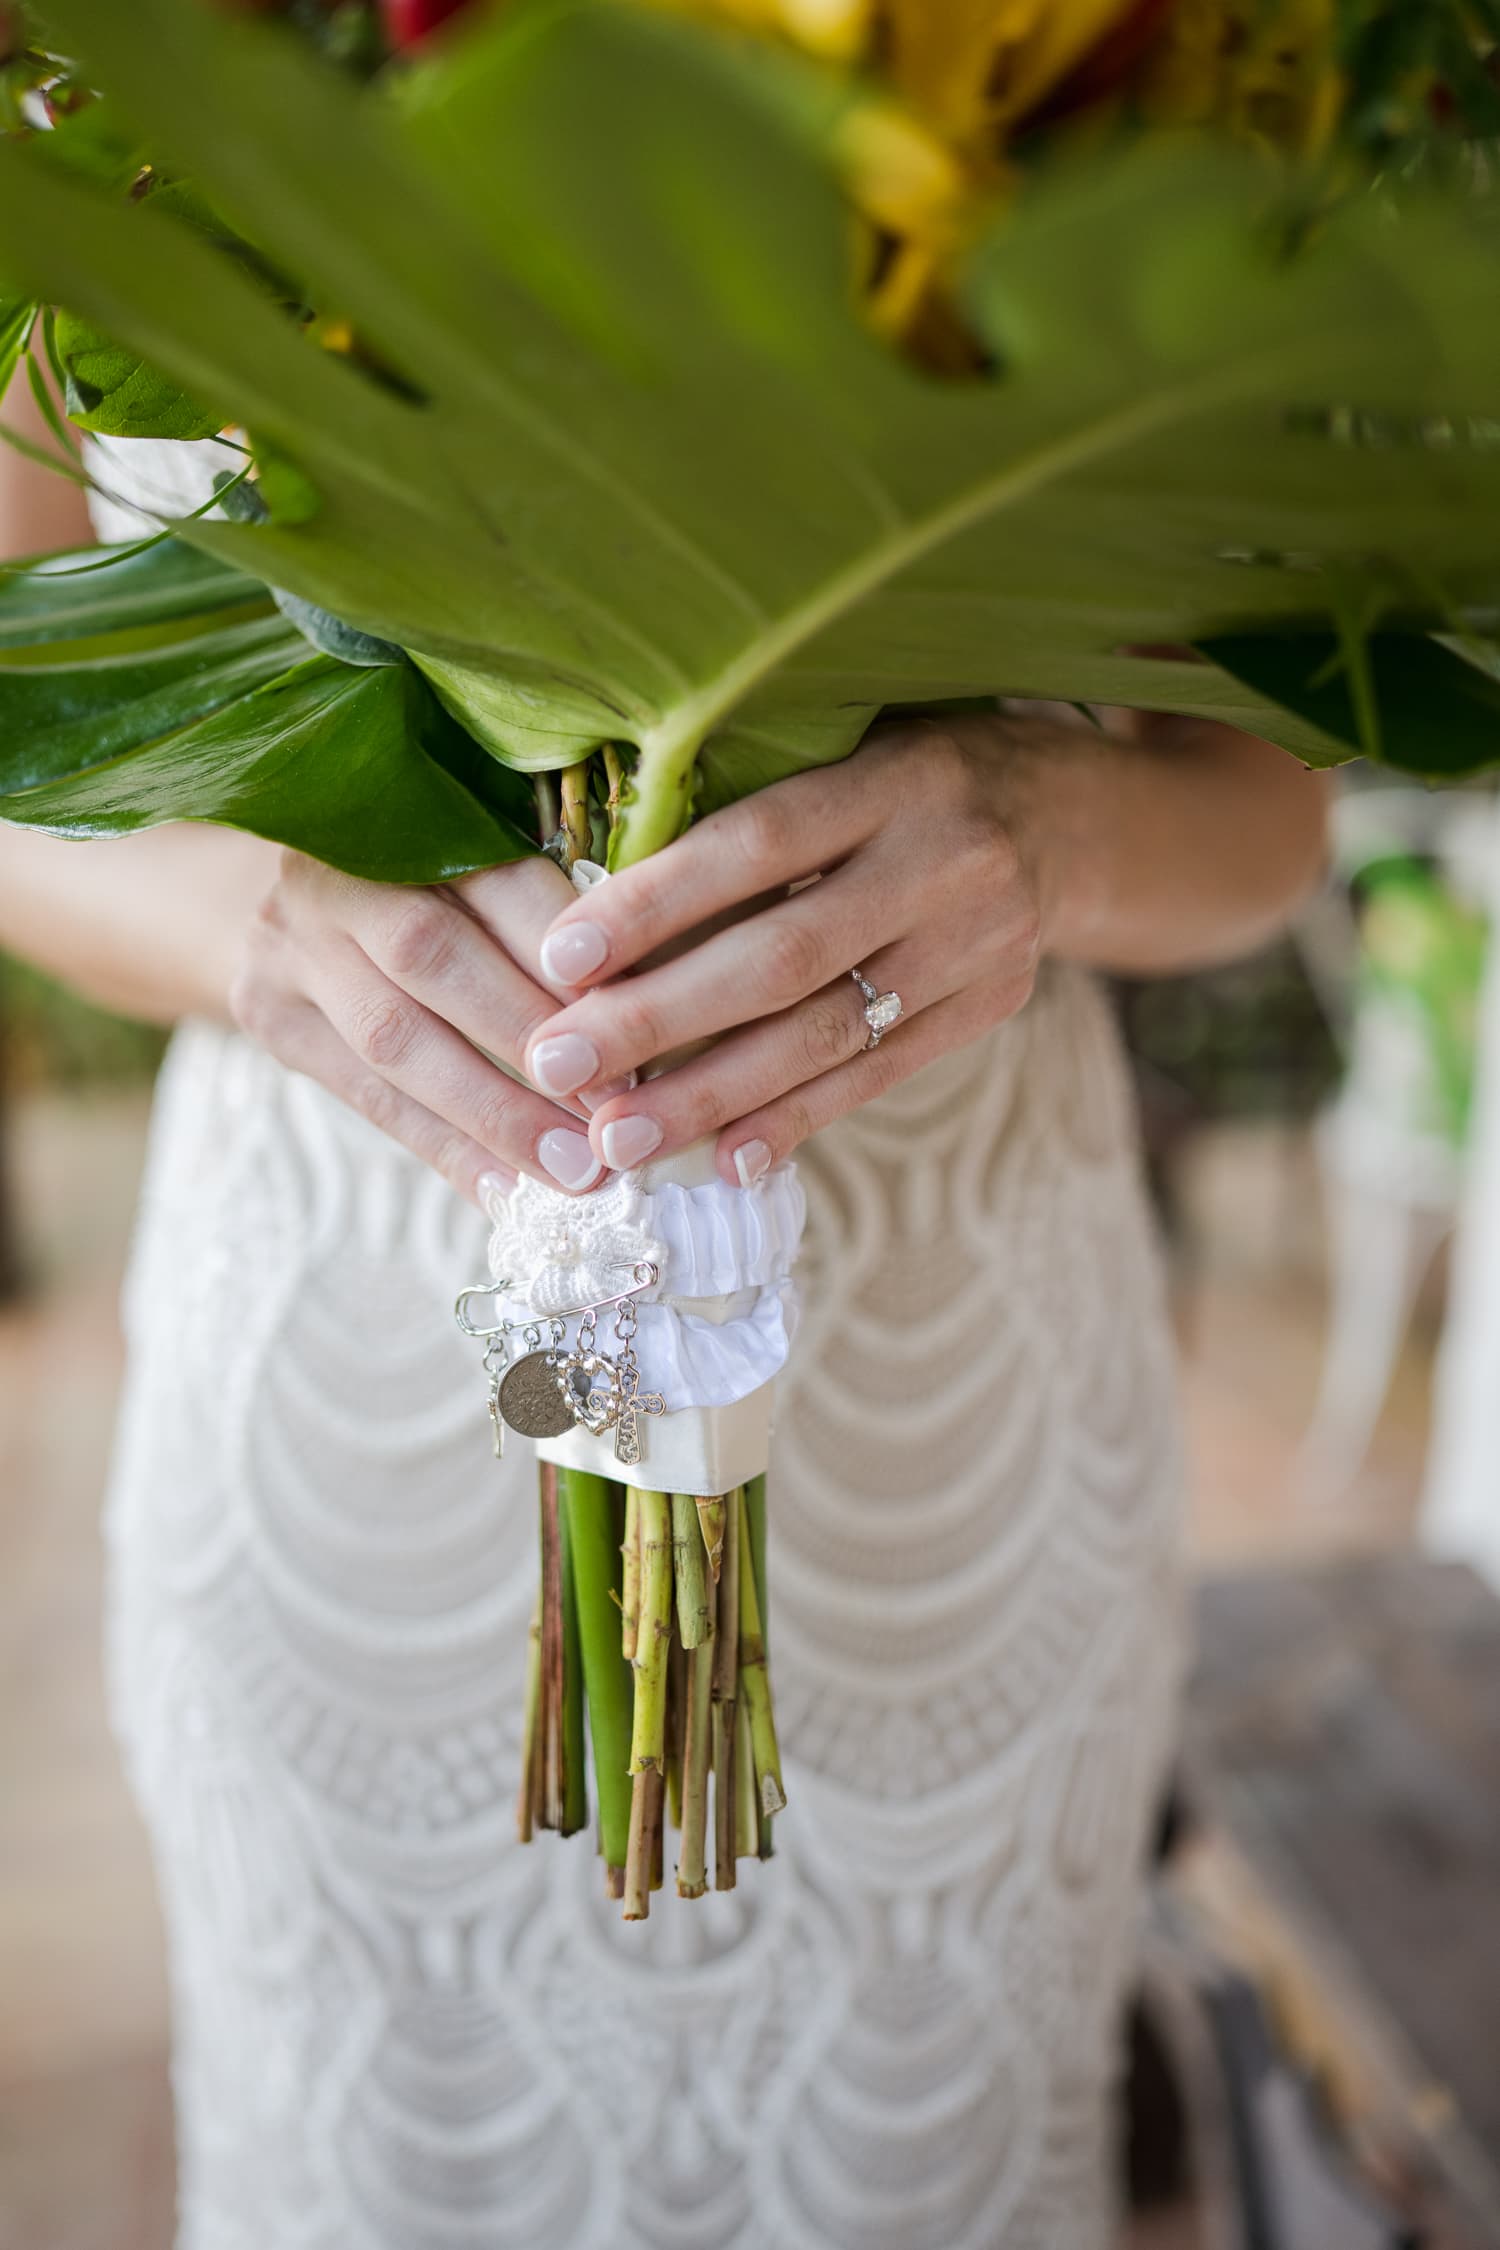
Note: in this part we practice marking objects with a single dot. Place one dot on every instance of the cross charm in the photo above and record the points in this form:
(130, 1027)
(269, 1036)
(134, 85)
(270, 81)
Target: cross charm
(633, 1401)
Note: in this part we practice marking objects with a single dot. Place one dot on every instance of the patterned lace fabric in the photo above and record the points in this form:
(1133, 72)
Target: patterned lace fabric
(398, 2030)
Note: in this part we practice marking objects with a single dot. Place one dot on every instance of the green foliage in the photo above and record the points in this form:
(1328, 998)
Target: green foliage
(632, 468)
(123, 712)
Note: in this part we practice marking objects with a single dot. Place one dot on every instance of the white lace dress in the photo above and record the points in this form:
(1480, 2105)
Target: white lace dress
(398, 2030)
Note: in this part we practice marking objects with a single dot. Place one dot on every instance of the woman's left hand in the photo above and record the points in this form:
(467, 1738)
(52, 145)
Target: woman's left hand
(929, 886)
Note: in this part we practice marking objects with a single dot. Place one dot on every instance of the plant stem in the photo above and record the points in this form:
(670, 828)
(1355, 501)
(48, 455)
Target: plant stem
(544, 789)
(711, 1518)
(630, 1576)
(755, 1684)
(645, 1797)
(755, 1509)
(614, 774)
(724, 1822)
(574, 1779)
(746, 1810)
(692, 1863)
(588, 1507)
(676, 1714)
(727, 1637)
(726, 1644)
(694, 1616)
(648, 1737)
(530, 1728)
(574, 821)
(552, 1654)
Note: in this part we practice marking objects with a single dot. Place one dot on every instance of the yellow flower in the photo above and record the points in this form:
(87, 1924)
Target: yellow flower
(974, 67)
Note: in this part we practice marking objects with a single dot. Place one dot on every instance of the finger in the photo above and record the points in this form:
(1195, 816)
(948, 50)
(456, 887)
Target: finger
(751, 1068)
(518, 904)
(749, 1147)
(407, 1044)
(795, 828)
(428, 945)
(757, 968)
(304, 1040)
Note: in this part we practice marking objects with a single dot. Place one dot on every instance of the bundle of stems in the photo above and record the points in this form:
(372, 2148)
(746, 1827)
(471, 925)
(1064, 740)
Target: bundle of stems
(651, 1633)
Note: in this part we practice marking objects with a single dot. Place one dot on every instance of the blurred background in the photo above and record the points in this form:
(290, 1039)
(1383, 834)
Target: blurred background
(1316, 2062)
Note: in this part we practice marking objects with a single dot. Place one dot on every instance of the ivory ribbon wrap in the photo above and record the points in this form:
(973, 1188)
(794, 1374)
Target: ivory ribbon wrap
(713, 1333)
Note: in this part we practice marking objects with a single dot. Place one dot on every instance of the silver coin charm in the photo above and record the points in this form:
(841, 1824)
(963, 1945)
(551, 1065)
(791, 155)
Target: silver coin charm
(532, 1400)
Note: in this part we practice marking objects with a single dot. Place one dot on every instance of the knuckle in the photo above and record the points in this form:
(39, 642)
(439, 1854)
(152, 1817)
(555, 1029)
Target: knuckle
(795, 1122)
(420, 939)
(252, 1003)
(791, 957)
(381, 1031)
(495, 1118)
(634, 1023)
(761, 833)
(829, 1032)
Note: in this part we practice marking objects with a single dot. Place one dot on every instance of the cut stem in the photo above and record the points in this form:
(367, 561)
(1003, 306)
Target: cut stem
(711, 1517)
(575, 823)
(550, 1811)
(630, 1576)
(648, 1737)
(588, 1509)
(530, 1729)
(726, 1643)
(746, 1810)
(640, 1854)
(755, 1685)
(695, 1621)
(574, 1777)
(692, 1861)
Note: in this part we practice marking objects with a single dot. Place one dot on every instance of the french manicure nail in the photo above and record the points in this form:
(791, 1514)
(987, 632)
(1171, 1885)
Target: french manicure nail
(752, 1161)
(494, 1187)
(568, 1157)
(573, 952)
(559, 1065)
(595, 1097)
(629, 1141)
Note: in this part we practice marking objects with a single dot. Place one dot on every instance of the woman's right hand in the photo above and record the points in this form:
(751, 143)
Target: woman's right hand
(386, 994)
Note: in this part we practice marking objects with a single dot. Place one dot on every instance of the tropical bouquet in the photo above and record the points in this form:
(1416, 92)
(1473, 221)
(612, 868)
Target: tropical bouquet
(625, 405)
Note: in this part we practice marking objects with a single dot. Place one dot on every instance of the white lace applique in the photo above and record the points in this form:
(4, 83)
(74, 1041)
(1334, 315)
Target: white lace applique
(558, 1252)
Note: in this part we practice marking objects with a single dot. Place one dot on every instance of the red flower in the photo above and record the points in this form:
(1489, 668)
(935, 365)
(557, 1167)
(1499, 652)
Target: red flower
(408, 21)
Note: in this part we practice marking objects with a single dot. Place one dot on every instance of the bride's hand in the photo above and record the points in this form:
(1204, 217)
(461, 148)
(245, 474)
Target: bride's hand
(930, 886)
(384, 995)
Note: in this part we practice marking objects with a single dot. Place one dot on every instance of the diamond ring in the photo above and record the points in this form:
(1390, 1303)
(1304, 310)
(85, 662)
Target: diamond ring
(882, 1009)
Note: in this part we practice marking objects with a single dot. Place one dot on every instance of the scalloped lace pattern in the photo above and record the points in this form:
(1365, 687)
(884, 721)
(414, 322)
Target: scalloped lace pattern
(396, 2030)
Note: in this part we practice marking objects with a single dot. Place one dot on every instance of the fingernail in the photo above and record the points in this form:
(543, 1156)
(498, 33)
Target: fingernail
(494, 1187)
(573, 952)
(752, 1161)
(629, 1141)
(597, 1096)
(558, 1065)
(568, 1157)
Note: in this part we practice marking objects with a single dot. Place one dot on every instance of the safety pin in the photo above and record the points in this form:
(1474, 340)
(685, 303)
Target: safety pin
(646, 1276)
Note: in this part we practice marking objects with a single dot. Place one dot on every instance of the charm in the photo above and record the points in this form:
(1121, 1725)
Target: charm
(550, 1390)
(627, 1429)
(532, 1398)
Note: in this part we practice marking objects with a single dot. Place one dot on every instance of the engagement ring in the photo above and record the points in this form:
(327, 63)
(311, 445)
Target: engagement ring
(882, 1009)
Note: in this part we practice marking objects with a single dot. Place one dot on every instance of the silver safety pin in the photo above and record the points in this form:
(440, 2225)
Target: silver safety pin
(645, 1276)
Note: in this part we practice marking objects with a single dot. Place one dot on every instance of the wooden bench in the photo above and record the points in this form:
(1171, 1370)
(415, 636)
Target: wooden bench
(1343, 1761)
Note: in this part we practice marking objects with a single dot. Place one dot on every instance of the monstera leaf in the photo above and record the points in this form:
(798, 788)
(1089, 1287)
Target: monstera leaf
(630, 467)
(169, 688)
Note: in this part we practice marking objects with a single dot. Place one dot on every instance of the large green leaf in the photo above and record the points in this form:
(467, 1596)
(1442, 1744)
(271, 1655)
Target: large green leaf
(123, 713)
(1438, 709)
(660, 485)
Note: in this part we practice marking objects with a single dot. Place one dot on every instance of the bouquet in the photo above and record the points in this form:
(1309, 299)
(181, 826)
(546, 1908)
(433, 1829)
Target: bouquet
(629, 403)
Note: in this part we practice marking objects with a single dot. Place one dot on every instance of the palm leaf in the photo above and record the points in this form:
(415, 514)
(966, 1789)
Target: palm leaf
(648, 478)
